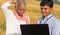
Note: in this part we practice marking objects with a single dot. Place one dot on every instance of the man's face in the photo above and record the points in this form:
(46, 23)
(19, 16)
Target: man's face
(46, 10)
(21, 9)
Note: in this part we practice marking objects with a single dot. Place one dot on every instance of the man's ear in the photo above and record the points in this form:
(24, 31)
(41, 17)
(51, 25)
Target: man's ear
(51, 9)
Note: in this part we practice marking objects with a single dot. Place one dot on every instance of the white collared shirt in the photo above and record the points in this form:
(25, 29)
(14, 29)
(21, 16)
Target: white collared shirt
(12, 23)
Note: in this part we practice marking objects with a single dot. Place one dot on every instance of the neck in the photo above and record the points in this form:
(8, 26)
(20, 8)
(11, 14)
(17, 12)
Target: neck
(47, 16)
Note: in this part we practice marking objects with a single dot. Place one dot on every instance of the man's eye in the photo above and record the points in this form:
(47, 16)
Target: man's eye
(45, 8)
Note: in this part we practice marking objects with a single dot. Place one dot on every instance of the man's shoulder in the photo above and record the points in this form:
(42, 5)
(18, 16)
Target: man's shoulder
(27, 16)
(54, 19)
(39, 18)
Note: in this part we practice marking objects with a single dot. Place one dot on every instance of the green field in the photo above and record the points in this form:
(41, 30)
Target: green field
(32, 9)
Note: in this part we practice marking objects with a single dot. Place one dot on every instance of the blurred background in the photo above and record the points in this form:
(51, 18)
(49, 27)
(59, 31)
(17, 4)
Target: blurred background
(32, 9)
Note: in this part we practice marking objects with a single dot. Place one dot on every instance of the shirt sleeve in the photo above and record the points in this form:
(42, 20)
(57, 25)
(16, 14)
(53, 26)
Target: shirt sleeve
(55, 30)
(5, 8)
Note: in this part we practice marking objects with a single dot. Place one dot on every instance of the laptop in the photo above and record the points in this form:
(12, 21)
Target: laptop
(34, 29)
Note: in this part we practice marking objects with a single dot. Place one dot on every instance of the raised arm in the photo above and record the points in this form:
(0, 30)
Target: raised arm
(5, 7)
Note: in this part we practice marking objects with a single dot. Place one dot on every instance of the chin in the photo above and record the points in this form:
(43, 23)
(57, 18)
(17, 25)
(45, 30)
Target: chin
(43, 15)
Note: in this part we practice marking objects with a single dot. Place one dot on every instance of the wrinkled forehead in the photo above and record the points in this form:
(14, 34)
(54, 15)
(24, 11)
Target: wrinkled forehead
(22, 6)
(20, 1)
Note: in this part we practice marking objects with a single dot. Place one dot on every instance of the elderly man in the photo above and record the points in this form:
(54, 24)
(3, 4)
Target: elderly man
(48, 17)
(15, 18)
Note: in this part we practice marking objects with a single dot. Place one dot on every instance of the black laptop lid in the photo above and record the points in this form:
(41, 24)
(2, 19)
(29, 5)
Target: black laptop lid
(35, 29)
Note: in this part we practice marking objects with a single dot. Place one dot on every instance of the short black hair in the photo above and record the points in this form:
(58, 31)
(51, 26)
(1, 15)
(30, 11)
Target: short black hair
(47, 2)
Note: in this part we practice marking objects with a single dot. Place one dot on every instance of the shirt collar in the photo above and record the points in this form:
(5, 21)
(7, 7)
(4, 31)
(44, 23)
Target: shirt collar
(47, 16)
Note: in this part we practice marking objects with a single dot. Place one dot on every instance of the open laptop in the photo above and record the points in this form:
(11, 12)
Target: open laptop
(35, 29)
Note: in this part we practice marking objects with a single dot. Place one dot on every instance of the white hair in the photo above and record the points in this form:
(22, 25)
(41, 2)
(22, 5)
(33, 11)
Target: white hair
(22, 1)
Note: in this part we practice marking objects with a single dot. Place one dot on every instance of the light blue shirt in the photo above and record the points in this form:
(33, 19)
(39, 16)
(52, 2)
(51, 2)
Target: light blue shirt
(54, 24)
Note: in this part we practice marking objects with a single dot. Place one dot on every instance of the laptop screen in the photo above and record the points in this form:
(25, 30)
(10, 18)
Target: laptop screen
(34, 29)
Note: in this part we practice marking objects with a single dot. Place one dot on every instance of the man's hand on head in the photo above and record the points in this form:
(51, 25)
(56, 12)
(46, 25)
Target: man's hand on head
(13, 1)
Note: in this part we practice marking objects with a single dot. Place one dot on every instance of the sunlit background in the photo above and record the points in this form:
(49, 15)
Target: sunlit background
(32, 9)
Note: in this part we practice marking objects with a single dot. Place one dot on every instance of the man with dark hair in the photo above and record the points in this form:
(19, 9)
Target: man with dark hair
(48, 17)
